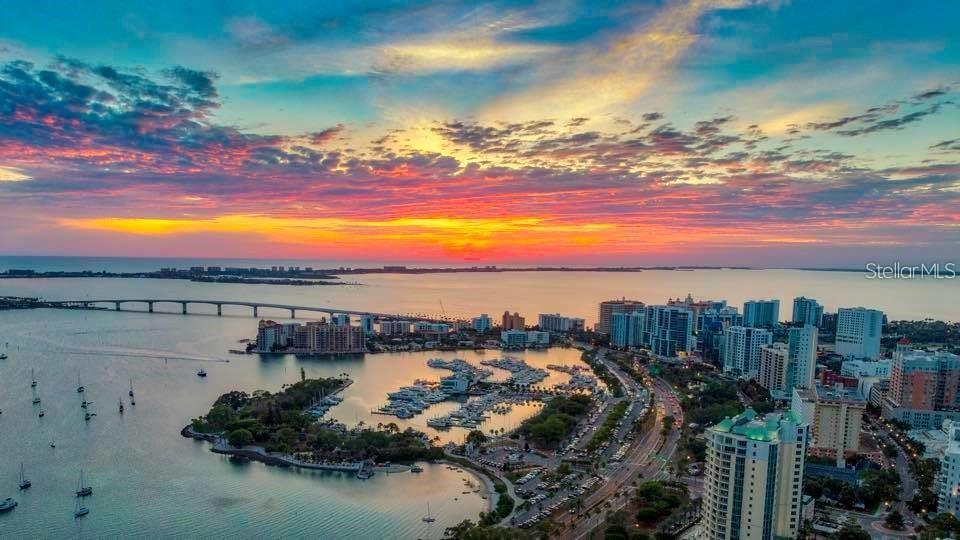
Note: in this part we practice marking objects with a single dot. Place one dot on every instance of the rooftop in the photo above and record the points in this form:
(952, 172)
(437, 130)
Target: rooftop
(838, 392)
(755, 427)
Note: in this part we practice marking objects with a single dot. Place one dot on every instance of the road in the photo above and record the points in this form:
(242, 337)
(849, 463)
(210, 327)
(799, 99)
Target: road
(639, 463)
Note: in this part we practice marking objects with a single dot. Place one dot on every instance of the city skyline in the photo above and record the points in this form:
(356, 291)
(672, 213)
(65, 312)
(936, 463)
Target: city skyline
(728, 132)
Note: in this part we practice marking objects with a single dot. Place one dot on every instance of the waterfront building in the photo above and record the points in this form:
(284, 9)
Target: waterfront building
(341, 319)
(865, 368)
(424, 327)
(807, 311)
(754, 477)
(513, 339)
(858, 332)
(481, 324)
(392, 327)
(321, 337)
(696, 306)
(924, 388)
(627, 329)
(774, 361)
(835, 415)
(761, 313)
(609, 307)
(718, 319)
(741, 350)
(948, 479)
(668, 331)
(512, 322)
(454, 384)
(554, 322)
(538, 338)
(272, 336)
(366, 324)
(802, 345)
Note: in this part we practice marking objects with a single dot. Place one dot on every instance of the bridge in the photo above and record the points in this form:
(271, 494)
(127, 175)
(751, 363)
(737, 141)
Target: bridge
(150, 302)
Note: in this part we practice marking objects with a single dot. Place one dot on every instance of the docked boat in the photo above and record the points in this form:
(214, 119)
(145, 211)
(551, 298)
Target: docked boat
(7, 504)
(3, 357)
(202, 373)
(416, 469)
(83, 490)
(24, 483)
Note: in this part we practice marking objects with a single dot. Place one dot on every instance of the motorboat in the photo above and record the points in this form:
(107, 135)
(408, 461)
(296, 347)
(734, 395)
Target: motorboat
(202, 373)
(7, 504)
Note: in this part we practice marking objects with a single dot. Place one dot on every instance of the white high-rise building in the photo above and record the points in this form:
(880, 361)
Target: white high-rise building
(754, 477)
(774, 361)
(554, 322)
(627, 329)
(366, 322)
(858, 332)
(807, 311)
(802, 344)
(948, 479)
(482, 323)
(741, 350)
(764, 313)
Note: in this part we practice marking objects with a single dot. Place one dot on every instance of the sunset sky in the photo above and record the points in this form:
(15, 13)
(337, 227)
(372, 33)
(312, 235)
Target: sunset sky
(778, 133)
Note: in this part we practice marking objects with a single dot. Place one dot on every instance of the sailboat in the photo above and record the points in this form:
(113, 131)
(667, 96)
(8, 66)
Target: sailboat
(36, 398)
(429, 518)
(53, 444)
(85, 403)
(121, 406)
(131, 387)
(33, 379)
(24, 483)
(82, 490)
(80, 387)
(80, 510)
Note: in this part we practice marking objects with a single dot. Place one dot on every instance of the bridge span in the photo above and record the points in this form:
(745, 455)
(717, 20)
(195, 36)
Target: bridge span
(150, 302)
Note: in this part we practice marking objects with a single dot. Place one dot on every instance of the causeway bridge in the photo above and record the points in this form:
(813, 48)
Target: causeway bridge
(255, 306)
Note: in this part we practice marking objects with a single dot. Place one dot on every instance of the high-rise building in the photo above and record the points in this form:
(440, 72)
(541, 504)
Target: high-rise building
(802, 344)
(391, 327)
(608, 308)
(741, 350)
(627, 329)
(948, 479)
(696, 306)
(761, 313)
(858, 332)
(668, 331)
(554, 322)
(834, 415)
(482, 323)
(322, 338)
(513, 339)
(718, 319)
(924, 388)
(366, 323)
(865, 368)
(754, 477)
(807, 311)
(774, 360)
(512, 322)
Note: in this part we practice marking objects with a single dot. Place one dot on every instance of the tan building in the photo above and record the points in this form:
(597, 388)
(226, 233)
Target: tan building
(753, 480)
(324, 338)
(774, 360)
(835, 415)
(608, 308)
(512, 322)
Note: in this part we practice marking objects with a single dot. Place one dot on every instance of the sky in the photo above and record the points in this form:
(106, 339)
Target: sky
(708, 132)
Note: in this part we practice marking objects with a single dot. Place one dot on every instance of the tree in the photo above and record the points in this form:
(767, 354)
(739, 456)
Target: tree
(240, 437)
(894, 521)
(851, 530)
(303, 375)
(476, 437)
(668, 422)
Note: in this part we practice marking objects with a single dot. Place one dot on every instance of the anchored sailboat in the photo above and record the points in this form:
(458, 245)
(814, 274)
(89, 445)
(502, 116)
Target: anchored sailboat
(82, 490)
(80, 387)
(33, 379)
(429, 518)
(80, 510)
(24, 483)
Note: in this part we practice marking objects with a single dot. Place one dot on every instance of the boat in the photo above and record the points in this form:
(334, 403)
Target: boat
(202, 373)
(82, 490)
(429, 518)
(42, 413)
(88, 416)
(416, 469)
(121, 406)
(36, 399)
(7, 505)
(53, 444)
(3, 356)
(33, 379)
(80, 510)
(80, 387)
(24, 483)
(131, 388)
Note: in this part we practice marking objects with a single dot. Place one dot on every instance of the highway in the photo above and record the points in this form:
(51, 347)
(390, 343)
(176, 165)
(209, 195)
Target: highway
(639, 463)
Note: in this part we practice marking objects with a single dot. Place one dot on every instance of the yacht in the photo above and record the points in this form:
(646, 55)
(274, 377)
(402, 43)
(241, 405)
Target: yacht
(53, 444)
(82, 490)
(33, 379)
(42, 413)
(121, 406)
(24, 483)
(131, 388)
(36, 400)
(80, 510)
(202, 373)
(416, 469)
(4, 357)
(7, 504)
(429, 518)
(80, 387)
